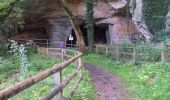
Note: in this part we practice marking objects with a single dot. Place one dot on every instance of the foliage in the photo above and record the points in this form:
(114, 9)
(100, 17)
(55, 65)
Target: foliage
(154, 14)
(152, 81)
(89, 22)
(20, 50)
(11, 15)
(149, 52)
(85, 89)
(146, 82)
(164, 34)
(9, 72)
(161, 37)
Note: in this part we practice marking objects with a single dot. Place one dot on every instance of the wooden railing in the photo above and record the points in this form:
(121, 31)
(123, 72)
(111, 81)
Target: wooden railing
(128, 52)
(69, 57)
(45, 42)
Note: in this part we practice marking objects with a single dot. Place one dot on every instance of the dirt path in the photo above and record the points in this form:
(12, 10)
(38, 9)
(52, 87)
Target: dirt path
(108, 86)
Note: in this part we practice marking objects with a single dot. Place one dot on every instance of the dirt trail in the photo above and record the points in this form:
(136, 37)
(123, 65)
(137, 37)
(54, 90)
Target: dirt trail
(108, 86)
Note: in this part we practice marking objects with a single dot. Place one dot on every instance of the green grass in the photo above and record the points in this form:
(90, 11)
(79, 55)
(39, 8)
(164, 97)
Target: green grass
(9, 75)
(146, 82)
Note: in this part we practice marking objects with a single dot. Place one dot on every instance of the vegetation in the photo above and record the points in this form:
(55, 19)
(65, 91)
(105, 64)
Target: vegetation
(11, 15)
(89, 23)
(154, 14)
(10, 75)
(147, 81)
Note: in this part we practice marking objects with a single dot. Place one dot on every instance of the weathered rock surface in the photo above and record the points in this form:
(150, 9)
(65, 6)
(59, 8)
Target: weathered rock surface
(50, 15)
(168, 20)
(137, 18)
(121, 32)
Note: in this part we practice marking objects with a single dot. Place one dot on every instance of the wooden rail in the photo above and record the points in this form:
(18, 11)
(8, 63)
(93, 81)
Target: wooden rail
(131, 52)
(45, 42)
(55, 70)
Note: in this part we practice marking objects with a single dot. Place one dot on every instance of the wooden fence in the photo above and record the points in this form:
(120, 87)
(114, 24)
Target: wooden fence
(69, 57)
(138, 53)
(45, 42)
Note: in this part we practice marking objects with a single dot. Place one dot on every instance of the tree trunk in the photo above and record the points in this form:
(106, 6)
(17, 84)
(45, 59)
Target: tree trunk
(75, 25)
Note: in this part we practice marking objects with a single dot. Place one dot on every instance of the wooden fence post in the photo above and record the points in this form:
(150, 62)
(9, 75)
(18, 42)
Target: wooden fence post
(107, 49)
(62, 54)
(97, 49)
(163, 57)
(47, 43)
(46, 51)
(58, 80)
(134, 53)
(80, 62)
(117, 51)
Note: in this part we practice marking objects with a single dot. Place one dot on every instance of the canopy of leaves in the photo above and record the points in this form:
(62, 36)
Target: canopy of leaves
(154, 14)
(11, 15)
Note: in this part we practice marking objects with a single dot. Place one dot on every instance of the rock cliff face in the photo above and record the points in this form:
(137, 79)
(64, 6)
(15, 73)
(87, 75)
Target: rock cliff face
(48, 14)
(168, 20)
(137, 18)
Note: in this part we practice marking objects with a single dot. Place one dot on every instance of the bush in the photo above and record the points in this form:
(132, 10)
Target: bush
(9, 73)
(152, 81)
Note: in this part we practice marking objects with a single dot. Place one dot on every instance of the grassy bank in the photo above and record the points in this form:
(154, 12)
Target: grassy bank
(147, 82)
(10, 75)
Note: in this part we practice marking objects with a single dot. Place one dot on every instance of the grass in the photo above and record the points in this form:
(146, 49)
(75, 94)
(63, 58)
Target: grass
(9, 75)
(146, 82)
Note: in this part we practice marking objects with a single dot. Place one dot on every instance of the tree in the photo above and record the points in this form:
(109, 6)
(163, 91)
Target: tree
(11, 15)
(89, 23)
(75, 25)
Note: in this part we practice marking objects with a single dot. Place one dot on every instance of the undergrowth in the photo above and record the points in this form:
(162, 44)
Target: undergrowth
(146, 82)
(9, 75)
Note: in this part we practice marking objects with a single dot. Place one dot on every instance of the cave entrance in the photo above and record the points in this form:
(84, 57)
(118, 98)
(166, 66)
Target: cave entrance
(99, 36)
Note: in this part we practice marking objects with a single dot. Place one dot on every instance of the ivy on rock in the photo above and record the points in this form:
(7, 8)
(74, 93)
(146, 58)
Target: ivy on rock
(154, 14)
(89, 22)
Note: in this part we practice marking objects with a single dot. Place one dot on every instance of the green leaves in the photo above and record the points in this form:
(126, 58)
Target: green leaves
(89, 22)
(152, 8)
(11, 15)
(148, 81)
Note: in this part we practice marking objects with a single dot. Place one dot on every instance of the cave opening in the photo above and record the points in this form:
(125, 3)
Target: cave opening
(99, 36)
(33, 33)
(37, 34)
